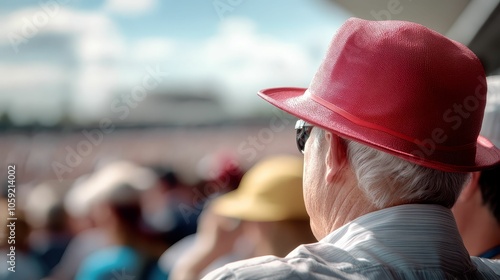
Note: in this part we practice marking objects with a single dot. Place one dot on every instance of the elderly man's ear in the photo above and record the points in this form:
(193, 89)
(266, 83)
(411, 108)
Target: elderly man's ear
(336, 155)
(470, 188)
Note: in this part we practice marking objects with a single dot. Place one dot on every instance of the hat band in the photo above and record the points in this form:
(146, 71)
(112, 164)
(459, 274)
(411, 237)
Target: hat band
(377, 127)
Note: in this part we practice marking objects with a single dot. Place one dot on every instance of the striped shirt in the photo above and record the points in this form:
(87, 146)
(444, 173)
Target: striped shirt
(403, 242)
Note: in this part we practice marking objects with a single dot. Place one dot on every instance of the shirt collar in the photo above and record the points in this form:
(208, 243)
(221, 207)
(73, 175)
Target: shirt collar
(420, 234)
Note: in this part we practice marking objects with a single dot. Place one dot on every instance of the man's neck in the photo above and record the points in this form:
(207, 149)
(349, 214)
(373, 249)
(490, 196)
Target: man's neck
(349, 203)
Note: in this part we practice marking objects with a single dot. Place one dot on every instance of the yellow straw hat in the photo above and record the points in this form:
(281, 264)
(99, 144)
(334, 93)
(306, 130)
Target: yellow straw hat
(269, 191)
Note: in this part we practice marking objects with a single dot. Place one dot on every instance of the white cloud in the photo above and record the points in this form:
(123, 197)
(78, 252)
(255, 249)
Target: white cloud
(152, 50)
(39, 75)
(94, 34)
(246, 57)
(130, 7)
(96, 53)
(238, 60)
(245, 61)
(31, 89)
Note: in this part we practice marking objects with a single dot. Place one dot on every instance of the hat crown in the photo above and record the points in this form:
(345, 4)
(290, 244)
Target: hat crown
(384, 75)
(269, 191)
(276, 180)
(267, 177)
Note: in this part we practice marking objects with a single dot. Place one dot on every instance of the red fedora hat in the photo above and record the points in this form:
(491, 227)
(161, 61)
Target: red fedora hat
(401, 88)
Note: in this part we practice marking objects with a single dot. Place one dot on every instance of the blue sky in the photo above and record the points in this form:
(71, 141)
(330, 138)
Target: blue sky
(60, 56)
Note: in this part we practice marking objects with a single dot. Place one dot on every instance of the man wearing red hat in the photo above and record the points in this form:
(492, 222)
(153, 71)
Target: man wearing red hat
(393, 116)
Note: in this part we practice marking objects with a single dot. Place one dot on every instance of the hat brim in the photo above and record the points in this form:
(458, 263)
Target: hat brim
(294, 101)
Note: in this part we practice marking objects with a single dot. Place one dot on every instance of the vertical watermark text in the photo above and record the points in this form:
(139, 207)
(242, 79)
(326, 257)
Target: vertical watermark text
(11, 218)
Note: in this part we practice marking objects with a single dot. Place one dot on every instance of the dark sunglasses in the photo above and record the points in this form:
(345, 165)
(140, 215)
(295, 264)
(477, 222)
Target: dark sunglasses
(303, 131)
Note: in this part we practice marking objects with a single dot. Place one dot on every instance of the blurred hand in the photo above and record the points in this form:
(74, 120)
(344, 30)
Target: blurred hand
(217, 233)
(215, 238)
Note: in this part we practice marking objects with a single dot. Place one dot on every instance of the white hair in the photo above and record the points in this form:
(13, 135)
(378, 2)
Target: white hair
(387, 180)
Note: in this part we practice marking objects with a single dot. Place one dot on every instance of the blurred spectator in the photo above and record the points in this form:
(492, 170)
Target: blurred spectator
(88, 238)
(27, 266)
(221, 170)
(173, 207)
(264, 216)
(114, 241)
(477, 210)
(46, 215)
(161, 205)
(115, 193)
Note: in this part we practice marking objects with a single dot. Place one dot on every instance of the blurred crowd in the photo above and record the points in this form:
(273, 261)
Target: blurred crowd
(127, 220)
